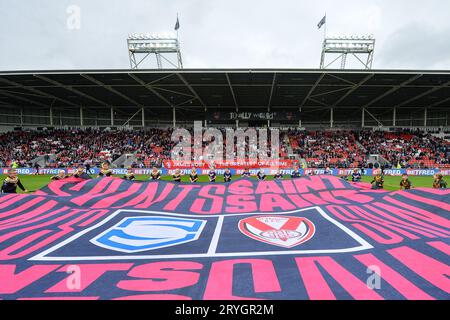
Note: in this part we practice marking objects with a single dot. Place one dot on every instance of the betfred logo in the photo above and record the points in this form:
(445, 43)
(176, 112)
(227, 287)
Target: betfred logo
(347, 172)
(393, 172)
(182, 171)
(142, 171)
(48, 171)
(421, 172)
(286, 232)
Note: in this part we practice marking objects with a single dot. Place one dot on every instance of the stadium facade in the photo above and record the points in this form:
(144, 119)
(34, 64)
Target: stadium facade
(307, 98)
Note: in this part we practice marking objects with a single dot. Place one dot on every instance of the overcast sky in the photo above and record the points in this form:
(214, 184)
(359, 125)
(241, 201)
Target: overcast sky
(40, 34)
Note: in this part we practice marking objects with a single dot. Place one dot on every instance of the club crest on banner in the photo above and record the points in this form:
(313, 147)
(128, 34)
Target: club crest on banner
(282, 231)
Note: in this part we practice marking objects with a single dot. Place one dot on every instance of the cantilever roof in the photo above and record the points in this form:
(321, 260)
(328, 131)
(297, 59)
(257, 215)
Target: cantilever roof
(243, 88)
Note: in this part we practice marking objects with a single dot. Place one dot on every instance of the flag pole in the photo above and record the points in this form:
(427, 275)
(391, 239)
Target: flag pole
(324, 20)
(177, 28)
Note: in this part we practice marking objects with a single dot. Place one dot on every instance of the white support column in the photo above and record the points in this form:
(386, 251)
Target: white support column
(331, 117)
(174, 120)
(394, 117)
(81, 117)
(143, 117)
(363, 117)
(237, 123)
(112, 117)
(300, 120)
(425, 117)
(51, 116)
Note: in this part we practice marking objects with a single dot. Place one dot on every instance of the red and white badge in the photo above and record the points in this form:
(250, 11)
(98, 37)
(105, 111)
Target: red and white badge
(282, 231)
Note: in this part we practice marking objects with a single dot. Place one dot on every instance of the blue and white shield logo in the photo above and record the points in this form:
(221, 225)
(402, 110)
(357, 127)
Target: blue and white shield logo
(137, 234)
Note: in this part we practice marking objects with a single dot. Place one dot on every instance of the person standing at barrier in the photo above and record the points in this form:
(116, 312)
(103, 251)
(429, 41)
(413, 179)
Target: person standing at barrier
(177, 176)
(328, 171)
(105, 171)
(36, 167)
(155, 174)
(61, 175)
(405, 184)
(11, 183)
(129, 175)
(193, 177)
(439, 182)
(14, 164)
(227, 175)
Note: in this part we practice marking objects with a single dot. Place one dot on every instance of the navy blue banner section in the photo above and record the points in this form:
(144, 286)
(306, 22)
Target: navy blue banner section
(316, 237)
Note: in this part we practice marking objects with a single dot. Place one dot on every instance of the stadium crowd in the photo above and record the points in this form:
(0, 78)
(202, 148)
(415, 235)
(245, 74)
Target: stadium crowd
(346, 149)
(72, 147)
(327, 149)
(407, 149)
(320, 149)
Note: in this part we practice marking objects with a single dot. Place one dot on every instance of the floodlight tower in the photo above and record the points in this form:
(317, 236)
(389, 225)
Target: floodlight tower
(361, 47)
(163, 46)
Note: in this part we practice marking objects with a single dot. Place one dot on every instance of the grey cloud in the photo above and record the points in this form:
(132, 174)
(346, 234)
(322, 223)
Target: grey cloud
(417, 45)
(220, 33)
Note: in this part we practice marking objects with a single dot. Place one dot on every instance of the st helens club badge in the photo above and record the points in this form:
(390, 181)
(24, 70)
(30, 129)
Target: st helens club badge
(282, 231)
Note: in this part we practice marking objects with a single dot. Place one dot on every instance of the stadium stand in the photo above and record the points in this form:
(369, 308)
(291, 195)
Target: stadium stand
(320, 149)
(77, 146)
(407, 148)
(323, 149)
